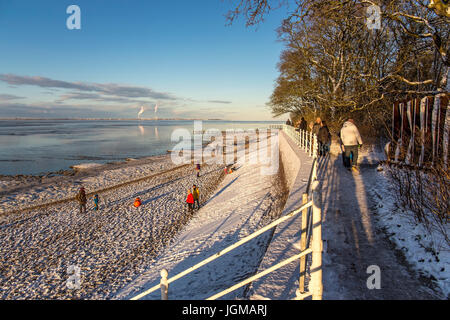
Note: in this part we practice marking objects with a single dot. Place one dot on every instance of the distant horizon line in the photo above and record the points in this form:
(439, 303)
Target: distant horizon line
(128, 119)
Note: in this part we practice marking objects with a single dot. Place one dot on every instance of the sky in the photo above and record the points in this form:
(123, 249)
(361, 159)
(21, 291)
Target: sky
(181, 55)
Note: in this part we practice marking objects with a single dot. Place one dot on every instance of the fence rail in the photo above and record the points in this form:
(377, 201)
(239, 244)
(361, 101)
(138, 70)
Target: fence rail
(305, 140)
(308, 142)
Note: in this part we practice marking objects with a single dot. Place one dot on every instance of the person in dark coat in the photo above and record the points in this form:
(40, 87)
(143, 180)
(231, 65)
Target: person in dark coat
(288, 122)
(303, 124)
(316, 126)
(197, 168)
(82, 200)
(324, 138)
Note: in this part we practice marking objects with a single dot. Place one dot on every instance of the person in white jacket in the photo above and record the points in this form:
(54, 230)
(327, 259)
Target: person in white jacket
(351, 141)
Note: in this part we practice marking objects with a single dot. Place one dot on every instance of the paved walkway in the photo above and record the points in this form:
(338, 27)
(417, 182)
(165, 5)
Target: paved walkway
(355, 242)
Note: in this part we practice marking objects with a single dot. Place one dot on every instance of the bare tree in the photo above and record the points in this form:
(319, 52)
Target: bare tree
(333, 64)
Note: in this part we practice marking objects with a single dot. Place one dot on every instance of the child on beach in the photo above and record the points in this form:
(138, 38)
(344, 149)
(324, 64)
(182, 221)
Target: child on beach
(96, 202)
(137, 202)
(228, 169)
(196, 196)
(190, 200)
(197, 167)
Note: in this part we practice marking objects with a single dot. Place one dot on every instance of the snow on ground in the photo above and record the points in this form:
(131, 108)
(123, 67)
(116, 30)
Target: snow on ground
(362, 226)
(283, 283)
(121, 250)
(110, 245)
(427, 252)
(17, 194)
(369, 154)
(245, 201)
(86, 166)
(118, 243)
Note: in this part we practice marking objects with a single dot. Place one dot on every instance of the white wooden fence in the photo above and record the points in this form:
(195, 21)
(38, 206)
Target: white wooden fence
(308, 142)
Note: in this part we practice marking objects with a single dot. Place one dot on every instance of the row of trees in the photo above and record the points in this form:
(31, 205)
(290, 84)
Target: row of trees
(334, 64)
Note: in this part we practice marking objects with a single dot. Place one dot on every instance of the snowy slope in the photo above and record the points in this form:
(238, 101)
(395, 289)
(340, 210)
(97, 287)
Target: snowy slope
(283, 283)
(245, 201)
(427, 252)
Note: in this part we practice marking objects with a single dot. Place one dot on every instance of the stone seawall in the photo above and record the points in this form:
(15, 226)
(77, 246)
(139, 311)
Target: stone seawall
(282, 283)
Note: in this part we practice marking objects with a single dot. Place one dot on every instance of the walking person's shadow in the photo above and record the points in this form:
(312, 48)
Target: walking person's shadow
(353, 241)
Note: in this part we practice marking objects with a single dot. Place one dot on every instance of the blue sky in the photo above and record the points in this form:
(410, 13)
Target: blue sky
(179, 54)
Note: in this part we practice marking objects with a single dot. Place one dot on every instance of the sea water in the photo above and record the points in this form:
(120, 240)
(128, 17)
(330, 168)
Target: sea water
(41, 146)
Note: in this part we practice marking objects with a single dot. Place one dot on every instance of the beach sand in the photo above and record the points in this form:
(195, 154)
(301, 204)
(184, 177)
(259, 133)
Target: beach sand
(43, 233)
(110, 245)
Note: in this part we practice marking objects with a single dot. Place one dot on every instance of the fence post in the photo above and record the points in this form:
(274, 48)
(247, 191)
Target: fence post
(306, 141)
(310, 143)
(316, 286)
(164, 285)
(315, 146)
(305, 135)
(305, 147)
(314, 169)
(303, 139)
(303, 245)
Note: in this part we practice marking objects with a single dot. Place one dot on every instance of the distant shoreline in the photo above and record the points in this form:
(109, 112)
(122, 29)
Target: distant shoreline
(129, 119)
(109, 119)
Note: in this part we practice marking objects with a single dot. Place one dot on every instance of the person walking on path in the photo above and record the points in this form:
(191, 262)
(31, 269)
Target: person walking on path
(82, 200)
(288, 122)
(197, 168)
(316, 126)
(351, 141)
(303, 124)
(96, 199)
(355, 241)
(196, 196)
(324, 138)
(190, 200)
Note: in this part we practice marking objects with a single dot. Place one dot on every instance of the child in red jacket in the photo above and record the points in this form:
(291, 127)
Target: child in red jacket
(190, 200)
(137, 202)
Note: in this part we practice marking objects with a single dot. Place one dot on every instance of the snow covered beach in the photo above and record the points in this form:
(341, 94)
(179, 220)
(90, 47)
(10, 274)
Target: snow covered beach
(121, 250)
(109, 245)
(245, 202)
(21, 192)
